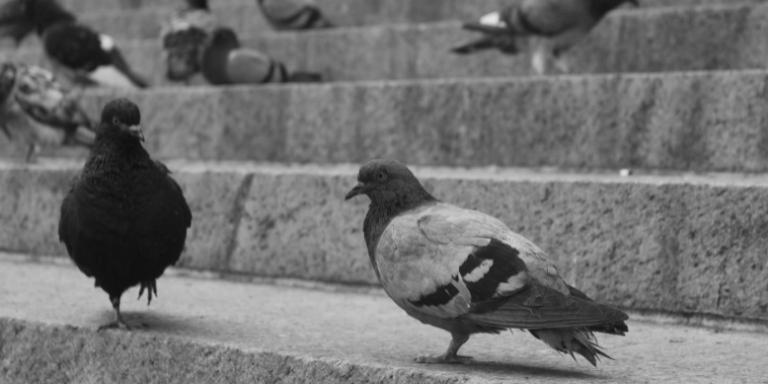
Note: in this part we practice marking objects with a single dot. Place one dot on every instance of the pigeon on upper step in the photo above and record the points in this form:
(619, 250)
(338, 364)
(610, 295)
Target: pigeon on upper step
(466, 272)
(286, 15)
(225, 62)
(82, 54)
(552, 27)
(183, 37)
(125, 219)
(34, 104)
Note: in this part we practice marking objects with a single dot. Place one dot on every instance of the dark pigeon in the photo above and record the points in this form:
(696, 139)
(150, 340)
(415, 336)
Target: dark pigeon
(293, 15)
(553, 26)
(225, 61)
(36, 103)
(466, 272)
(81, 53)
(125, 219)
(183, 37)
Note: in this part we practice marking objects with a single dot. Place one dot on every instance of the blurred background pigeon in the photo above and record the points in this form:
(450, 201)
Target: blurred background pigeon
(225, 61)
(552, 27)
(81, 54)
(125, 219)
(287, 15)
(183, 37)
(466, 272)
(35, 105)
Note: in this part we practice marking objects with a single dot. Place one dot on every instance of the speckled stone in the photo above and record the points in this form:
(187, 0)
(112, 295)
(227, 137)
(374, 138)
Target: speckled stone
(217, 331)
(656, 40)
(704, 121)
(671, 243)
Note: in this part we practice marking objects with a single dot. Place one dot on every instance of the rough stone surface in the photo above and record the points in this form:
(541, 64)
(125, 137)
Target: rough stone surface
(351, 12)
(657, 40)
(202, 331)
(684, 244)
(704, 121)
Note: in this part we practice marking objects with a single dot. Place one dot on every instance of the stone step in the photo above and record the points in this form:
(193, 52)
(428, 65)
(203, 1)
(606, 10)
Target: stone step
(353, 12)
(203, 330)
(704, 121)
(676, 243)
(145, 22)
(660, 40)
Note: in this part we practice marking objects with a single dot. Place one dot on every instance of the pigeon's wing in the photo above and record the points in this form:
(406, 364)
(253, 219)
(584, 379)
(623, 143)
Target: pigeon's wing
(177, 194)
(247, 66)
(454, 225)
(293, 14)
(75, 46)
(552, 17)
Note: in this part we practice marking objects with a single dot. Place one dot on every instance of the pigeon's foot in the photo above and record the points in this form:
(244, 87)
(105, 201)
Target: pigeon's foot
(443, 359)
(117, 324)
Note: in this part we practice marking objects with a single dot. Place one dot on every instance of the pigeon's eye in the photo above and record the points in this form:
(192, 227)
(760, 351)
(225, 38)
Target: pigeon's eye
(381, 175)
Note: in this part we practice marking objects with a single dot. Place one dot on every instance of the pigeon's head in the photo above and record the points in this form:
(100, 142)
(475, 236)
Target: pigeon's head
(388, 182)
(122, 117)
(224, 38)
(198, 4)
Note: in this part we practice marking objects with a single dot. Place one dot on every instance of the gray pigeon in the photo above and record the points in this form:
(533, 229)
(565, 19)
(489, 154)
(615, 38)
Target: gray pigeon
(287, 15)
(36, 105)
(183, 37)
(466, 272)
(225, 61)
(553, 26)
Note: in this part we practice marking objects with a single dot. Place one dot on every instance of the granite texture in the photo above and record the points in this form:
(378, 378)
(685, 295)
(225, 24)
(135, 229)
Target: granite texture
(656, 40)
(704, 121)
(205, 330)
(656, 243)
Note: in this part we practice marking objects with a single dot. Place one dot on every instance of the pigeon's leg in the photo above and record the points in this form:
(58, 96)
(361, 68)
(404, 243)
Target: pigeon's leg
(562, 65)
(451, 355)
(31, 152)
(539, 60)
(6, 131)
(151, 287)
(119, 323)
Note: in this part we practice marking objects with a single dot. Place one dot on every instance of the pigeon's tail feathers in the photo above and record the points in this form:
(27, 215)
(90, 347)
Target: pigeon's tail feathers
(287, 15)
(304, 77)
(572, 340)
(541, 307)
(119, 72)
(486, 29)
(507, 46)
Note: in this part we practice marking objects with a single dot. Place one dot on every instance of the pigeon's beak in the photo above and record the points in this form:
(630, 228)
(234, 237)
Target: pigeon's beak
(136, 131)
(359, 189)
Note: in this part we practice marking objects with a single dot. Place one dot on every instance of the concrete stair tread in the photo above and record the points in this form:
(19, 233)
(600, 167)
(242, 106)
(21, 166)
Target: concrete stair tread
(661, 40)
(283, 330)
(704, 121)
(667, 242)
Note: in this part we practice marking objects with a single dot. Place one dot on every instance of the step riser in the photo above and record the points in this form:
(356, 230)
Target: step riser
(630, 42)
(671, 247)
(706, 121)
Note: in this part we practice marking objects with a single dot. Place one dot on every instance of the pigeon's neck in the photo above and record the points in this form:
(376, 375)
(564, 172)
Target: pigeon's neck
(381, 212)
(214, 64)
(600, 8)
(48, 13)
(117, 153)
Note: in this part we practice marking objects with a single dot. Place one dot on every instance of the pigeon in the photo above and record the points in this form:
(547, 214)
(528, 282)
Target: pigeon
(183, 37)
(35, 101)
(466, 272)
(553, 26)
(125, 219)
(87, 57)
(292, 15)
(224, 61)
